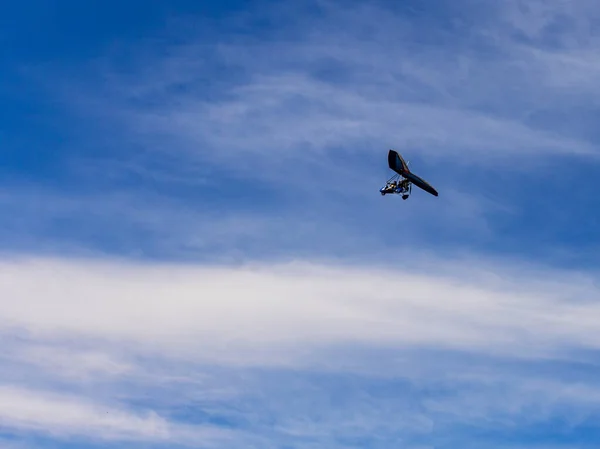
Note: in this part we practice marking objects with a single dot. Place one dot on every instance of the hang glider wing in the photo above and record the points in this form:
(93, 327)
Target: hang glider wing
(397, 163)
(419, 182)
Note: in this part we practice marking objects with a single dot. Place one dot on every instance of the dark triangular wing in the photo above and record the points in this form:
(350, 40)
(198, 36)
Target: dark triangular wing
(419, 182)
(397, 163)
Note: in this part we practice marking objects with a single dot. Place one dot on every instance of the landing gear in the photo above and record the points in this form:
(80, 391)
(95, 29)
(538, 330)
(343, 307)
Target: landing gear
(397, 186)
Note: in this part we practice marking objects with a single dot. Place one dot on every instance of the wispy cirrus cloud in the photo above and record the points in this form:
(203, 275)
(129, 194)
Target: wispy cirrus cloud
(296, 353)
(473, 98)
(64, 416)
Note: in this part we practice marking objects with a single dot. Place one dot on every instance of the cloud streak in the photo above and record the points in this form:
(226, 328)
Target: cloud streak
(473, 99)
(61, 415)
(301, 353)
(266, 308)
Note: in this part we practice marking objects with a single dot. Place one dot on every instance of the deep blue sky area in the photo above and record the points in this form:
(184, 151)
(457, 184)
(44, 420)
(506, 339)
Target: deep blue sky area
(65, 34)
(52, 149)
(217, 133)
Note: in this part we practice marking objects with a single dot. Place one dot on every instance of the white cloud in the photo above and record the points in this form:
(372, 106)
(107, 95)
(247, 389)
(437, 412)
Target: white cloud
(251, 311)
(257, 124)
(74, 363)
(61, 415)
(271, 349)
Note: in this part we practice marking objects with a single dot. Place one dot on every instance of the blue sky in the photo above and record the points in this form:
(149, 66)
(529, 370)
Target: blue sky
(195, 252)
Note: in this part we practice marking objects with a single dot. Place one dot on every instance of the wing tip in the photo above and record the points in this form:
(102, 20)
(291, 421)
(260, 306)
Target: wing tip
(396, 162)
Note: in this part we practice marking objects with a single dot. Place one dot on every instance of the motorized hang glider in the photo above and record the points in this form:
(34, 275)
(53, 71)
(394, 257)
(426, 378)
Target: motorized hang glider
(403, 186)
